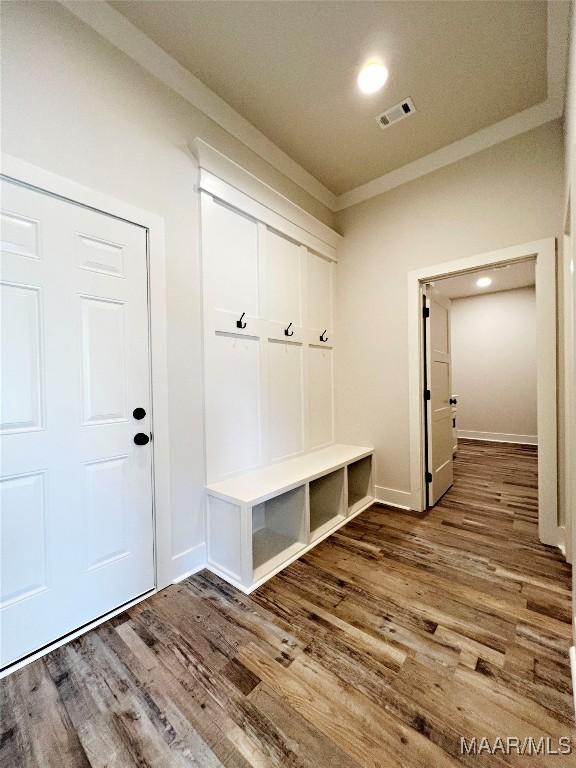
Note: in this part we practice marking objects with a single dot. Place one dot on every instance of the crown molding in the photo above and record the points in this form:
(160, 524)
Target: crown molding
(116, 29)
(221, 177)
(458, 150)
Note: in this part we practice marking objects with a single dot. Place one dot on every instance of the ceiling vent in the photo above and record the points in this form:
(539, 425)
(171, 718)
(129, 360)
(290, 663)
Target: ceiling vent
(396, 113)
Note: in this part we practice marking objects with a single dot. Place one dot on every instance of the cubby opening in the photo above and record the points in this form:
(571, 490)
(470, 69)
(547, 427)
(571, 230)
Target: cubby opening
(278, 530)
(359, 483)
(326, 502)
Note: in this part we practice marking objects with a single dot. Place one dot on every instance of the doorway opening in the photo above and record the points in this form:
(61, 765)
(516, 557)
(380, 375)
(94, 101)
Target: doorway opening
(436, 411)
(479, 358)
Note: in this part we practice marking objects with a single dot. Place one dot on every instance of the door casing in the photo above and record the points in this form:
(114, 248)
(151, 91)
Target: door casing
(544, 254)
(21, 172)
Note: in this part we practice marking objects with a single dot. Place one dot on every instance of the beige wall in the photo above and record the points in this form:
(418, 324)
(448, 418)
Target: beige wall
(494, 363)
(76, 106)
(508, 194)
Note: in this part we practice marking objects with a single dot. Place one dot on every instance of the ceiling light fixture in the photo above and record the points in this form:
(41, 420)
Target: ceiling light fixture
(484, 282)
(372, 77)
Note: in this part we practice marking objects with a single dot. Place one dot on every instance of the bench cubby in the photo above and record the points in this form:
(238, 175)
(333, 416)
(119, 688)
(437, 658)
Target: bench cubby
(360, 483)
(261, 521)
(278, 529)
(327, 503)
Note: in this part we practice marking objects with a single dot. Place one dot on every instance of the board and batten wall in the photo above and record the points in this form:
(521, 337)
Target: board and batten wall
(268, 342)
(76, 106)
(506, 195)
(494, 365)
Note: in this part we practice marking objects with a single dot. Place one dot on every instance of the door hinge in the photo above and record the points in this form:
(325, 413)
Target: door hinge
(428, 477)
(426, 312)
(427, 394)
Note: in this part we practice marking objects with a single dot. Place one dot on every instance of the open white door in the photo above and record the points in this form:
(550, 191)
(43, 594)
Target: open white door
(76, 480)
(440, 459)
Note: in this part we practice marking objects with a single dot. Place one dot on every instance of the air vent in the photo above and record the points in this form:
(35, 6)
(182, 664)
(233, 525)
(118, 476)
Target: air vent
(398, 112)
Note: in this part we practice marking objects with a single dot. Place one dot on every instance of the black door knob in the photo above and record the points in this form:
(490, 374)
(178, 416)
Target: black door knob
(138, 413)
(141, 438)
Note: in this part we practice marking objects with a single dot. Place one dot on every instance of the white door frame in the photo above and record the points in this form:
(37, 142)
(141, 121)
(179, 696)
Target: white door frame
(24, 173)
(544, 252)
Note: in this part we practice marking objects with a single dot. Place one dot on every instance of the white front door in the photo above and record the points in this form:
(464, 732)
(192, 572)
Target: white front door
(440, 459)
(75, 488)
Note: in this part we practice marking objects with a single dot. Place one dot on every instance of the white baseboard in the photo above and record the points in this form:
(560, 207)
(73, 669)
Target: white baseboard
(190, 561)
(401, 499)
(498, 437)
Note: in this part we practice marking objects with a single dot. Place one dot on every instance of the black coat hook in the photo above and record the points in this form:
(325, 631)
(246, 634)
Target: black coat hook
(288, 332)
(239, 323)
(323, 335)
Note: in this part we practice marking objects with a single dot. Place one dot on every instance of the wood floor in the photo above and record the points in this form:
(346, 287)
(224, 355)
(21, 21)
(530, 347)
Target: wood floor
(381, 647)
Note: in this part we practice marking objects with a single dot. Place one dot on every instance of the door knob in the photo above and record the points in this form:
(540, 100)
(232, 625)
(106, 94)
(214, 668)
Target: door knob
(141, 438)
(453, 401)
(138, 413)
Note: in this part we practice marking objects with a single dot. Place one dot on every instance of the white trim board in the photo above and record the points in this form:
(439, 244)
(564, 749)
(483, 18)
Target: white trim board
(189, 561)
(476, 142)
(393, 497)
(23, 172)
(117, 30)
(497, 437)
(544, 252)
(221, 167)
(225, 180)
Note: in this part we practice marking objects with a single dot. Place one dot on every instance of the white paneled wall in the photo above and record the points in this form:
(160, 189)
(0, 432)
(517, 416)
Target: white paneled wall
(268, 322)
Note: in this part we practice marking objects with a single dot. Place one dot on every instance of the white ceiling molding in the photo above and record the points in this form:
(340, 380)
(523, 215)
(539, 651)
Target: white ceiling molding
(115, 28)
(469, 145)
(225, 179)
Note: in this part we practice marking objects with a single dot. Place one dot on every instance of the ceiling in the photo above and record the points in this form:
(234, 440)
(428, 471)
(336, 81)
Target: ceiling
(290, 69)
(504, 278)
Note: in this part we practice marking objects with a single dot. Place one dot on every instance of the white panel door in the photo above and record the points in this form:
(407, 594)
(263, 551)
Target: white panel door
(75, 489)
(440, 459)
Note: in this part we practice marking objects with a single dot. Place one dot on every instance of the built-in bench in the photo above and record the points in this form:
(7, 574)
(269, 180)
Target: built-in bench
(260, 521)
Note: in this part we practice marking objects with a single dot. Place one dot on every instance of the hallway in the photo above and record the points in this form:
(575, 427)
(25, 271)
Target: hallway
(394, 637)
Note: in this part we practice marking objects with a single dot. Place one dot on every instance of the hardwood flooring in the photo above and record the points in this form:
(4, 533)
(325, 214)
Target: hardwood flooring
(381, 647)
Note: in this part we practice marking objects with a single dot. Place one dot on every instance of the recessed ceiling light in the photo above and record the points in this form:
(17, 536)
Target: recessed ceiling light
(484, 282)
(372, 77)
